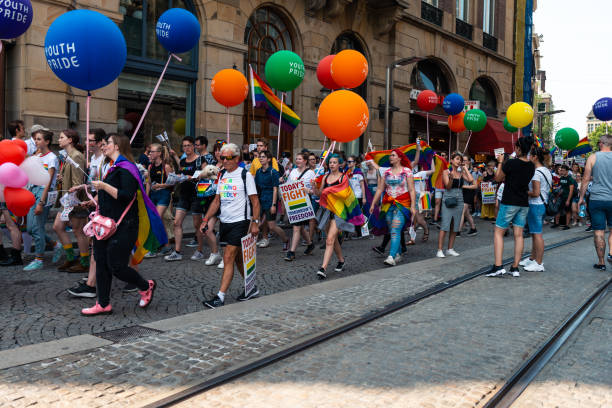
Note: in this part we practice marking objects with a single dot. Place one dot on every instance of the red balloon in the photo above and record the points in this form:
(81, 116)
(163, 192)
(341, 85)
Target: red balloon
(19, 200)
(324, 73)
(427, 100)
(11, 152)
(455, 122)
(21, 144)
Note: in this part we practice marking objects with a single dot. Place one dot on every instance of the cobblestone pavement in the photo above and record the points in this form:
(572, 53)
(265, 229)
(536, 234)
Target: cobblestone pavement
(453, 348)
(35, 307)
(580, 375)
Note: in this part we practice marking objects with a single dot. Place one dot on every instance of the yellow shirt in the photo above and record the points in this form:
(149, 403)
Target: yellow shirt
(256, 165)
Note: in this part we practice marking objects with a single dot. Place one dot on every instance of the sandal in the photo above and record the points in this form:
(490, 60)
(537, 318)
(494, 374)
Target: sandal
(411, 242)
(425, 236)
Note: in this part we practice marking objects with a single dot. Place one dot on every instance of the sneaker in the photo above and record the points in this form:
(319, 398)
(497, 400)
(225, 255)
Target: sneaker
(309, 249)
(35, 264)
(151, 254)
(252, 294)
(129, 288)
(77, 268)
(214, 302)
(83, 290)
(452, 252)
(588, 229)
(398, 258)
(609, 258)
(303, 243)
(286, 246)
(147, 296)
(340, 266)
(197, 256)
(389, 261)
(263, 243)
(440, 254)
(459, 234)
(496, 271)
(321, 274)
(514, 271)
(565, 227)
(58, 251)
(432, 222)
(526, 262)
(290, 256)
(601, 267)
(166, 250)
(213, 259)
(97, 310)
(378, 250)
(554, 225)
(192, 244)
(174, 256)
(221, 265)
(472, 232)
(534, 267)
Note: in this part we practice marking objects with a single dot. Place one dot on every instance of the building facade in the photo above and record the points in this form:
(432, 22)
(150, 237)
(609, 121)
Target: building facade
(464, 46)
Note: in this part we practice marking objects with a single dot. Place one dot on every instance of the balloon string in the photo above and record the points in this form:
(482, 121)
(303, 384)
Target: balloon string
(427, 120)
(144, 113)
(450, 137)
(280, 118)
(227, 113)
(87, 128)
(466, 145)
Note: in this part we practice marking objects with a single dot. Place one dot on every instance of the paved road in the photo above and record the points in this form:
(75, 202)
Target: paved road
(35, 307)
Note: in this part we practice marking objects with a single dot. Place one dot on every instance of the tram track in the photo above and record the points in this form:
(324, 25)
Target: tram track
(252, 366)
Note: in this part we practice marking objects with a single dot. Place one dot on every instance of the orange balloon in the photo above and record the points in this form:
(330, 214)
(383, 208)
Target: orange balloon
(343, 116)
(229, 87)
(349, 68)
(455, 122)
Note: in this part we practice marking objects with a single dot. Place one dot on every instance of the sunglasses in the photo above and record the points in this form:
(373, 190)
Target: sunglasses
(227, 157)
(350, 161)
(187, 145)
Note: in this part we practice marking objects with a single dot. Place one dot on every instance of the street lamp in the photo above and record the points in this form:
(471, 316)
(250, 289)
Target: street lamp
(389, 94)
(540, 114)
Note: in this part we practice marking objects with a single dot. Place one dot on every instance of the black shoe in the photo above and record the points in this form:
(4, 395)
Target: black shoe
(214, 302)
(379, 250)
(589, 229)
(459, 234)
(601, 267)
(309, 249)
(609, 258)
(290, 256)
(565, 227)
(83, 290)
(129, 288)
(14, 258)
(3, 254)
(340, 266)
(252, 294)
(554, 225)
(321, 274)
(472, 232)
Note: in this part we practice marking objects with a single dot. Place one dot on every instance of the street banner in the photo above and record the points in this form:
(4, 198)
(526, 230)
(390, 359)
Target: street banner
(488, 192)
(297, 202)
(248, 261)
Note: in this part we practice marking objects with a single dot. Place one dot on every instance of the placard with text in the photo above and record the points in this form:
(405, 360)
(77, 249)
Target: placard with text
(297, 201)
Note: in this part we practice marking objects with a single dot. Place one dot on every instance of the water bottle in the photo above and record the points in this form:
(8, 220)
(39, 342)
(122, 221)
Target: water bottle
(582, 212)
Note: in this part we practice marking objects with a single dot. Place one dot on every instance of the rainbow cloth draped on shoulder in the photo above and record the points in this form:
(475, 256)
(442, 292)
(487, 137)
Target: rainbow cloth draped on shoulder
(264, 97)
(381, 157)
(583, 147)
(341, 200)
(151, 231)
(436, 177)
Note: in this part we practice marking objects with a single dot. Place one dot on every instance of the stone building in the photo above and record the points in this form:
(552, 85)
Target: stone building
(464, 46)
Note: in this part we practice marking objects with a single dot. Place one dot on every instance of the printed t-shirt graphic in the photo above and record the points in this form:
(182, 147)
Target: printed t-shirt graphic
(232, 195)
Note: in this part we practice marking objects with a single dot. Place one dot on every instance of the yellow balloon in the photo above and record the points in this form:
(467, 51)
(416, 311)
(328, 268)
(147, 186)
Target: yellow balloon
(179, 126)
(520, 114)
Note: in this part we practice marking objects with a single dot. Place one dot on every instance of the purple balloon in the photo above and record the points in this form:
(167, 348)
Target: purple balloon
(15, 18)
(602, 109)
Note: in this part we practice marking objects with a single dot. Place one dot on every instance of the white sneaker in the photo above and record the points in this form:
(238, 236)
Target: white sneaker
(174, 256)
(213, 259)
(452, 252)
(515, 274)
(221, 265)
(263, 243)
(498, 272)
(398, 258)
(534, 267)
(526, 262)
(389, 261)
(440, 254)
(197, 255)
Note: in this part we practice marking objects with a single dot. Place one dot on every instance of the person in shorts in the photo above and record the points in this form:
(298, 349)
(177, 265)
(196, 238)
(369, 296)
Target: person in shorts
(568, 188)
(266, 180)
(239, 207)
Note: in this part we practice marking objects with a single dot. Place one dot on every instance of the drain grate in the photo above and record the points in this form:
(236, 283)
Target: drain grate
(127, 333)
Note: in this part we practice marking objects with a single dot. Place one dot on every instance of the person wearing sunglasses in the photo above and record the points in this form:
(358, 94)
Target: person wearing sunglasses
(238, 206)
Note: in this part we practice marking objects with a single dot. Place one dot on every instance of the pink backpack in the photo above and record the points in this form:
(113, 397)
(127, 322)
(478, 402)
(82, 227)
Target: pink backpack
(100, 226)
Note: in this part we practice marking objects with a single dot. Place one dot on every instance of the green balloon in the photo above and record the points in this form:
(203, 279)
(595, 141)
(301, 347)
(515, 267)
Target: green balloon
(475, 120)
(509, 127)
(284, 71)
(566, 138)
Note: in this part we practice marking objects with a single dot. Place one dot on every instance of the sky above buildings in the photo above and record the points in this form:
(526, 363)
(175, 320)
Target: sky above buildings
(577, 56)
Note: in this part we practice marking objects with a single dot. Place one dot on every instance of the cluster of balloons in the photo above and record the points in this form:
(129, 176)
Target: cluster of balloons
(453, 104)
(15, 172)
(343, 115)
(15, 18)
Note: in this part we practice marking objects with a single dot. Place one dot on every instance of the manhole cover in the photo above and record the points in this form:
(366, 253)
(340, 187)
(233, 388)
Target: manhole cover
(127, 333)
(25, 282)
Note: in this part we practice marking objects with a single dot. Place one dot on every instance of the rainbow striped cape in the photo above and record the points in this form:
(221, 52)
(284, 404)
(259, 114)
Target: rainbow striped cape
(583, 147)
(151, 231)
(340, 200)
(264, 97)
(381, 157)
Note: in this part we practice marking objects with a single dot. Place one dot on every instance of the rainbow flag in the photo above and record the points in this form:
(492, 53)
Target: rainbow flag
(205, 188)
(425, 201)
(264, 97)
(439, 165)
(538, 140)
(381, 157)
(340, 200)
(151, 231)
(583, 147)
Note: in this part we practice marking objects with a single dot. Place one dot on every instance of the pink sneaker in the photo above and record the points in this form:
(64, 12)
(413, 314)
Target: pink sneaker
(147, 296)
(97, 310)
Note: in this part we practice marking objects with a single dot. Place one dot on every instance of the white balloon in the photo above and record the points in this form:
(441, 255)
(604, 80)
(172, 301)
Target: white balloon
(37, 174)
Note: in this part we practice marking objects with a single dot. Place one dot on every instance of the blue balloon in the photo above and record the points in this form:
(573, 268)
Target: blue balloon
(15, 18)
(178, 30)
(453, 104)
(85, 49)
(602, 109)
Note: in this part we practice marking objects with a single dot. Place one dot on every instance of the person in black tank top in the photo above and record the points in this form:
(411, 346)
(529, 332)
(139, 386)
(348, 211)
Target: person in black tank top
(159, 193)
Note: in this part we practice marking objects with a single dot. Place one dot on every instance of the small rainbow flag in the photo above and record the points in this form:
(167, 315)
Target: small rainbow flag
(381, 157)
(583, 147)
(425, 201)
(264, 97)
(538, 140)
(439, 165)
(204, 188)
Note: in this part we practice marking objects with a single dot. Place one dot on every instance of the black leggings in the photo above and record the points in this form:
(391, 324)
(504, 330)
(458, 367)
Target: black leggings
(112, 257)
(387, 238)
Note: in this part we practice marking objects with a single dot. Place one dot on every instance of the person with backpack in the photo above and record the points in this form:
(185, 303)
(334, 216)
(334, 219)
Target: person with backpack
(539, 192)
(238, 206)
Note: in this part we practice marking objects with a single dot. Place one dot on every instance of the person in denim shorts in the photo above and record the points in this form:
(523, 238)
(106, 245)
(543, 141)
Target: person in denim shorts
(516, 174)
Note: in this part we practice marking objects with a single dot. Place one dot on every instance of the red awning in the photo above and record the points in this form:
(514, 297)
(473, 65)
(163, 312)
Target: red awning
(433, 117)
(493, 136)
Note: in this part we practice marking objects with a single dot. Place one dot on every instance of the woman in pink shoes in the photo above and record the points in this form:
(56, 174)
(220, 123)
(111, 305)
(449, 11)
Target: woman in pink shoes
(119, 196)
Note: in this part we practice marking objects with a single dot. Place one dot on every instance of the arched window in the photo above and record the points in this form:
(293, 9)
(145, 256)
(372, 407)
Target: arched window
(174, 103)
(427, 74)
(482, 91)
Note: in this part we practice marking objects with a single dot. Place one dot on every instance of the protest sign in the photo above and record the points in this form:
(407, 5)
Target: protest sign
(248, 261)
(488, 192)
(297, 202)
(498, 151)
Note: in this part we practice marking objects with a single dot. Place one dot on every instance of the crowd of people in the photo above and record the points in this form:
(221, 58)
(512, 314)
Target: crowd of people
(232, 191)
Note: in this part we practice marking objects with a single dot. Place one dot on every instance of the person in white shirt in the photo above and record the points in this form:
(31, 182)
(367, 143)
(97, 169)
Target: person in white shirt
(420, 189)
(238, 203)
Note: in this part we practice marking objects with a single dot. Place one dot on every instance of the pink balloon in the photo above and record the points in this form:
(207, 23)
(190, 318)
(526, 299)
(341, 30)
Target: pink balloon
(12, 176)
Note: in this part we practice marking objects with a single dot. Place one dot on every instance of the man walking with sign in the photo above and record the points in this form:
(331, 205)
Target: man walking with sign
(239, 214)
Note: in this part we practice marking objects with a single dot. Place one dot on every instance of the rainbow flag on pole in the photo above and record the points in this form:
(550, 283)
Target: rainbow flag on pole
(264, 97)
(381, 157)
(583, 147)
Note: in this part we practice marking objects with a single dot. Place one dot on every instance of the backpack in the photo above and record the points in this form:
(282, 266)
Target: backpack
(553, 206)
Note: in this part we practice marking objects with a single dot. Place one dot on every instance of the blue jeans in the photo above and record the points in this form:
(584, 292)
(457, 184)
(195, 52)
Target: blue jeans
(511, 214)
(395, 222)
(36, 223)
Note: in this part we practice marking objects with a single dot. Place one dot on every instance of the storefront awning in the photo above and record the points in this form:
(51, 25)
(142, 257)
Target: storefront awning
(493, 136)
(433, 117)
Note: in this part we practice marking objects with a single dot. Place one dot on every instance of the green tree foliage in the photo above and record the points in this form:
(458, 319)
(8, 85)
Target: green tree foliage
(549, 127)
(596, 134)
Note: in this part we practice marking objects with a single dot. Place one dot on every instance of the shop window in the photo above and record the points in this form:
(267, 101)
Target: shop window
(482, 91)
(427, 74)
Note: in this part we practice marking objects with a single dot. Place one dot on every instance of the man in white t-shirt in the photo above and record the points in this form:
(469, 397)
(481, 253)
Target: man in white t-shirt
(238, 203)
